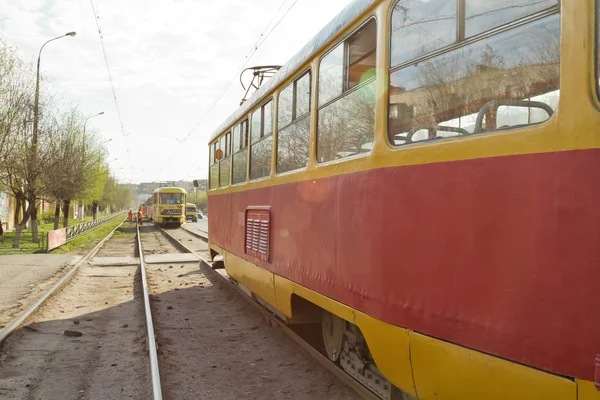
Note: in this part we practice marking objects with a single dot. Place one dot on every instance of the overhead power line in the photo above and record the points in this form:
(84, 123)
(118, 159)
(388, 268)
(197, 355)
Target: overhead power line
(112, 86)
(261, 39)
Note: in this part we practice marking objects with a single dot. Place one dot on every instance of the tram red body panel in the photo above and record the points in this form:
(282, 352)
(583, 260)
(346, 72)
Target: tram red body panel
(501, 255)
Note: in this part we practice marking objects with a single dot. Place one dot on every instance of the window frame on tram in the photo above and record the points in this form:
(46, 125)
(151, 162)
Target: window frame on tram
(295, 120)
(359, 90)
(213, 184)
(241, 138)
(260, 138)
(458, 43)
(225, 161)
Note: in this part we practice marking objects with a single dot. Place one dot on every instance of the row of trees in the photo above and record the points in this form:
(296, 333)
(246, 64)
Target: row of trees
(62, 163)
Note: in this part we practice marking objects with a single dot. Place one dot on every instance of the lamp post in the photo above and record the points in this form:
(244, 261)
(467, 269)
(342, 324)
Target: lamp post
(86, 120)
(36, 103)
(34, 136)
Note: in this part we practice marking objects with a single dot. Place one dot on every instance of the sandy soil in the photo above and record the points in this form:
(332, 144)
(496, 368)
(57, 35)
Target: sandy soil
(24, 278)
(214, 345)
(107, 360)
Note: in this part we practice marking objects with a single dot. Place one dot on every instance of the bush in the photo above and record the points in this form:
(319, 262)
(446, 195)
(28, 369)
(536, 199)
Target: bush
(46, 217)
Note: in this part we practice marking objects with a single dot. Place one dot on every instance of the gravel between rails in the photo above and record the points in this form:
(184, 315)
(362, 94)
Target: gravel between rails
(214, 345)
(102, 356)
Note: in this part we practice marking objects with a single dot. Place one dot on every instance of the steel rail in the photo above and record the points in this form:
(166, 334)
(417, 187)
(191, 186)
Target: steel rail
(360, 389)
(156, 386)
(27, 313)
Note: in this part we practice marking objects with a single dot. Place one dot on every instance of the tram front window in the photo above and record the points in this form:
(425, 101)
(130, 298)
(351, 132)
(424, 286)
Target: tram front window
(171, 198)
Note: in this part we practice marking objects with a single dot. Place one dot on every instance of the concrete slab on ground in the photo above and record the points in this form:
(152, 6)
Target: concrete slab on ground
(25, 276)
(195, 231)
(170, 258)
(114, 261)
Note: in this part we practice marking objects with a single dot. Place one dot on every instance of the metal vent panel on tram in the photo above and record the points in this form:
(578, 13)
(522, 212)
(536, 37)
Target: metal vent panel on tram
(258, 228)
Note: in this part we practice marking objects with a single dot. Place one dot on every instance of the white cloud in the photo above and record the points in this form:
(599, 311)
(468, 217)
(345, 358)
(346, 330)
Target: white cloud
(168, 60)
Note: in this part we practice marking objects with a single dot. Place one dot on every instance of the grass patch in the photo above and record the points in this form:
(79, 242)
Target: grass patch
(27, 245)
(90, 239)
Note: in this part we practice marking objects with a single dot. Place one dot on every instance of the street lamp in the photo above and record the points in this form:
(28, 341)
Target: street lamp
(92, 116)
(36, 103)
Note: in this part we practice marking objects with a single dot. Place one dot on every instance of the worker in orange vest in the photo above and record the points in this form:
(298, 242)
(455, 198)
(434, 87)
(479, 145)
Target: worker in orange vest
(140, 216)
(130, 215)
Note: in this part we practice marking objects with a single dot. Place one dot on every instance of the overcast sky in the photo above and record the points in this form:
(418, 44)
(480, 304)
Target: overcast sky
(169, 61)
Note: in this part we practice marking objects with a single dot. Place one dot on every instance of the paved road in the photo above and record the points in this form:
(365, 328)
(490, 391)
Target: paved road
(24, 277)
(201, 225)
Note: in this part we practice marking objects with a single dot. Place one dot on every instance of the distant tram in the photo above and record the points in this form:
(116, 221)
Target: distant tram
(168, 206)
(422, 182)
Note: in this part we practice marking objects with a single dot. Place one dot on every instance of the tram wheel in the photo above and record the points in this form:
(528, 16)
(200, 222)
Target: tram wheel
(333, 334)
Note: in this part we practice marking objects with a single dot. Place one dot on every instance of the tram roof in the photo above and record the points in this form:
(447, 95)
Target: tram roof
(170, 189)
(351, 11)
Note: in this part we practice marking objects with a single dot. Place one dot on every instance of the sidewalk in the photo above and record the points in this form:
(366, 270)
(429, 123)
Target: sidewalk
(23, 278)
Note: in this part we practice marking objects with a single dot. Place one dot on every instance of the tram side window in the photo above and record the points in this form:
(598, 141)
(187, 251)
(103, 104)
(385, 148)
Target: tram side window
(346, 115)
(240, 153)
(214, 166)
(261, 138)
(507, 80)
(225, 162)
(483, 15)
(420, 27)
(294, 125)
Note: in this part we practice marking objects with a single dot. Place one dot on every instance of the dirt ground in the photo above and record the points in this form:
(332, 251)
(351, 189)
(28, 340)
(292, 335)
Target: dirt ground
(214, 345)
(23, 282)
(105, 359)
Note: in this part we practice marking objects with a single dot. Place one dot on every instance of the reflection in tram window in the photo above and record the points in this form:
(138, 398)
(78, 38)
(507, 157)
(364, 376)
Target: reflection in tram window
(346, 126)
(482, 15)
(261, 146)
(508, 80)
(331, 75)
(240, 153)
(419, 27)
(294, 125)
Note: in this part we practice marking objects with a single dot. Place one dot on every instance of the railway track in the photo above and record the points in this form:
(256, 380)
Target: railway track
(154, 327)
(181, 239)
(86, 339)
(151, 339)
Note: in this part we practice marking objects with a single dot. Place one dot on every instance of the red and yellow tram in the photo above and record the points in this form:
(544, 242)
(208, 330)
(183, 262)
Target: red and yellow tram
(423, 179)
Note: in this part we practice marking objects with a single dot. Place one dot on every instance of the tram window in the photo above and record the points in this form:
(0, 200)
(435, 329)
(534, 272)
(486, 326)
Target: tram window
(171, 198)
(227, 150)
(261, 147)
(346, 126)
(255, 127)
(236, 138)
(225, 162)
(240, 156)
(331, 75)
(224, 172)
(292, 145)
(361, 49)
(293, 137)
(284, 110)
(267, 119)
(508, 80)
(420, 27)
(211, 157)
(302, 92)
(482, 15)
